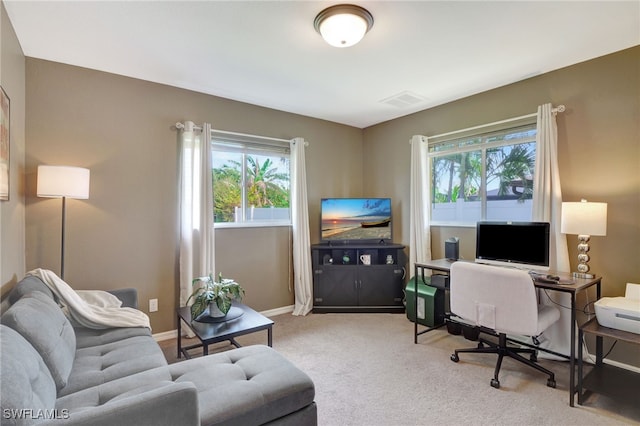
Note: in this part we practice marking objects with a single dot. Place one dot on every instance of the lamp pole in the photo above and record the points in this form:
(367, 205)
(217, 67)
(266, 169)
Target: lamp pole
(64, 213)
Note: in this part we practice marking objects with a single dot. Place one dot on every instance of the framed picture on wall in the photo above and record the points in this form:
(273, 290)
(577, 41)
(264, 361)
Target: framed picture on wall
(4, 145)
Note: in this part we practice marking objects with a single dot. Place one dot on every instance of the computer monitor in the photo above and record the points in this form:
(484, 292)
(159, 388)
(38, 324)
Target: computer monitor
(516, 244)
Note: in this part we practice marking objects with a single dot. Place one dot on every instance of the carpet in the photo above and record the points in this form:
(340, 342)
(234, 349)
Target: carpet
(368, 371)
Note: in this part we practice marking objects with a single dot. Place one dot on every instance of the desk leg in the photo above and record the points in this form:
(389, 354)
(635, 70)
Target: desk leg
(415, 304)
(179, 337)
(599, 339)
(580, 366)
(572, 359)
(270, 337)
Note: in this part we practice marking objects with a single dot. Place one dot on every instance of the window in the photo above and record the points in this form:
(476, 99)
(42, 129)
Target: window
(483, 177)
(251, 179)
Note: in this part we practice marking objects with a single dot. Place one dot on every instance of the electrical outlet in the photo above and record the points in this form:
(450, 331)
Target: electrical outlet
(153, 305)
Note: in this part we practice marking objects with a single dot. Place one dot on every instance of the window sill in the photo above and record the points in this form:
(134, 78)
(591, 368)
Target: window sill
(230, 225)
(453, 224)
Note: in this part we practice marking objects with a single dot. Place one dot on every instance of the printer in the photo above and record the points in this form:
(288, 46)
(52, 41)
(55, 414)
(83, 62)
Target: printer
(622, 313)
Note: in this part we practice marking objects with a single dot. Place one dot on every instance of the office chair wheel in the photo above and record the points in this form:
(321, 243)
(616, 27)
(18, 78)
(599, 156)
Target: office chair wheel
(533, 358)
(495, 383)
(551, 383)
(480, 345)
(455, 358)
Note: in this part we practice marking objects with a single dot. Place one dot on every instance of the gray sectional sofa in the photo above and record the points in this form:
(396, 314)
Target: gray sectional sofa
(54, 373)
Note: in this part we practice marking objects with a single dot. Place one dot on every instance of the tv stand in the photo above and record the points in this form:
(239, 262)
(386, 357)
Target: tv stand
(342, 282)
(342, 243)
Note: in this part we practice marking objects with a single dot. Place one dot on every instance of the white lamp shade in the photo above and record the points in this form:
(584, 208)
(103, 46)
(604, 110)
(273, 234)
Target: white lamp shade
(584, 218)
(63, 181)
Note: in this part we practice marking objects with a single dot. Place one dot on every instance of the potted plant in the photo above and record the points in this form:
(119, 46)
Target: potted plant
(218, 295)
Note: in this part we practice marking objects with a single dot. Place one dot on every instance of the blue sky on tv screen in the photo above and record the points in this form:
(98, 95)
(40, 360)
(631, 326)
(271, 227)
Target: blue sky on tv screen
(343, 208)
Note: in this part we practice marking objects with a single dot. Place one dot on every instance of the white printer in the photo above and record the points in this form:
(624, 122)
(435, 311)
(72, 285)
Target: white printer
(622, 313)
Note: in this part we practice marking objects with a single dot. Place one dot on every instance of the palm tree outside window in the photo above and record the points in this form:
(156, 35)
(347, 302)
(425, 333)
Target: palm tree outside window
(251, 184)
(483, 177)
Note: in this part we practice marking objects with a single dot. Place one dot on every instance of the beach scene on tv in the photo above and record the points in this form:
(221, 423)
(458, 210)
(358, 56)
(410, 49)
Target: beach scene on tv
(356, 219)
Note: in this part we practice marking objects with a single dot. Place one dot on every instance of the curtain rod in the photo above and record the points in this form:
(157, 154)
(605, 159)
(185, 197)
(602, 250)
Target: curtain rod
(559, 108)
(180, 126)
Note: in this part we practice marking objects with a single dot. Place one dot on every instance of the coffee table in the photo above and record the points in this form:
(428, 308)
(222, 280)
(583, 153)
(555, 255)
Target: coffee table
(240, 320)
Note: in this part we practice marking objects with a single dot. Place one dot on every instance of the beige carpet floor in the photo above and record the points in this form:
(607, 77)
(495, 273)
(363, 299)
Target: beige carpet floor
(368, 371)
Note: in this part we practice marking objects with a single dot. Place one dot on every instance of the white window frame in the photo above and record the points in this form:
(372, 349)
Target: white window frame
(461, 143)
(245, 144)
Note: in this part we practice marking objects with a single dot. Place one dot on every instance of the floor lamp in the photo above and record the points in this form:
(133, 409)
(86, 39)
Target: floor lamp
(584, 220)
(63, 182)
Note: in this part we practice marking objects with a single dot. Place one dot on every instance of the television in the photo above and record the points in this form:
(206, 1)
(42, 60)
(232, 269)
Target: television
(517, 244)
(346, 220)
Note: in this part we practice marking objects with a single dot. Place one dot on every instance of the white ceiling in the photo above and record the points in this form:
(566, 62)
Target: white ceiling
(268, 53)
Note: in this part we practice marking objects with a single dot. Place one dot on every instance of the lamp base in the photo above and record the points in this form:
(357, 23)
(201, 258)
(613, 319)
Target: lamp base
(583, 275)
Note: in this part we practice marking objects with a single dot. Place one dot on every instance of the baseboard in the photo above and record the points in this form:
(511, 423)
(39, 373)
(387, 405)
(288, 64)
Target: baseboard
(278, 311)
(620, 364)
(165, 335)
(173, 334)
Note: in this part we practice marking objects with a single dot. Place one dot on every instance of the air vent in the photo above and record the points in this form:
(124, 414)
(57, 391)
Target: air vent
(404, 99)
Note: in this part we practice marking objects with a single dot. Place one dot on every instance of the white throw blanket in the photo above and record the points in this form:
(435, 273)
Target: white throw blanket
(91, 308)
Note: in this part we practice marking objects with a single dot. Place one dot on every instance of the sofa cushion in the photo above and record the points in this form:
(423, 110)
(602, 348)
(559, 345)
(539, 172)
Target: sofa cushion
(249, 385)
(26, 286)
(102, 363)
(87, 337)
(41, 322)
(26, 381)
(96, 396)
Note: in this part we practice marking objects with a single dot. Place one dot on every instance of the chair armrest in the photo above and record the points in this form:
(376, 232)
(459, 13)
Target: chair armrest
(167, 403)
(128, 296)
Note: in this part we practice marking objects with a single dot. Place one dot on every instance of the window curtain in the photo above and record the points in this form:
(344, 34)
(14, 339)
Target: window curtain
(547, 205)
(302, 274)
(196, 250)
(419, 200)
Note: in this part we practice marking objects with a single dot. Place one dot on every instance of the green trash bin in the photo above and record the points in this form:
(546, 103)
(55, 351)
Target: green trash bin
(430, 303)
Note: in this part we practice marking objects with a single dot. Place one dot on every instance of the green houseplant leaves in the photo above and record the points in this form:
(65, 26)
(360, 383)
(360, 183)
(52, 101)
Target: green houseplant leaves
(207, 290)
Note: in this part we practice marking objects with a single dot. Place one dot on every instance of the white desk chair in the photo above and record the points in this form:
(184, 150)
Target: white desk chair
(500, 301)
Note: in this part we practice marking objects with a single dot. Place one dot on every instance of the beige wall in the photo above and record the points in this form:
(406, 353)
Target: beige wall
(125, 233)
(121, 128)
(598, 150)
(12, 212)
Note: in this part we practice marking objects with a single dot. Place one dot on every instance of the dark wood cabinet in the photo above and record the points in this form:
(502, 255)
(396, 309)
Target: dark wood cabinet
(358, 278)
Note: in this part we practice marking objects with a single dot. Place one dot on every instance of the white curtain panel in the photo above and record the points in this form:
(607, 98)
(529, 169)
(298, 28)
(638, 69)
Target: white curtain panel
(420, 203)
(547, 196)
(302, 273)
(547, 204)
(197, 257)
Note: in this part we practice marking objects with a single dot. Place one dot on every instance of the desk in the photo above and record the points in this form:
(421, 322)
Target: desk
(569, 285)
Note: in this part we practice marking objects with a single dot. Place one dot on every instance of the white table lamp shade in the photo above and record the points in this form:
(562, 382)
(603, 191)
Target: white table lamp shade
(63, 181)
(584, 218)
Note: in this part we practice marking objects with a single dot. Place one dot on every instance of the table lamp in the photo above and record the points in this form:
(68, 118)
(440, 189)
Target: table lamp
(63, 182)
(584, 219)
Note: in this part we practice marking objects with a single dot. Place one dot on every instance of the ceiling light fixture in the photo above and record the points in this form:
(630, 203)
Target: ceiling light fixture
(343, 25)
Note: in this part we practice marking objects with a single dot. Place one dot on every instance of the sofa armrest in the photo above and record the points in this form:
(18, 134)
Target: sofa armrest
(165, 403)
(128, 296)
